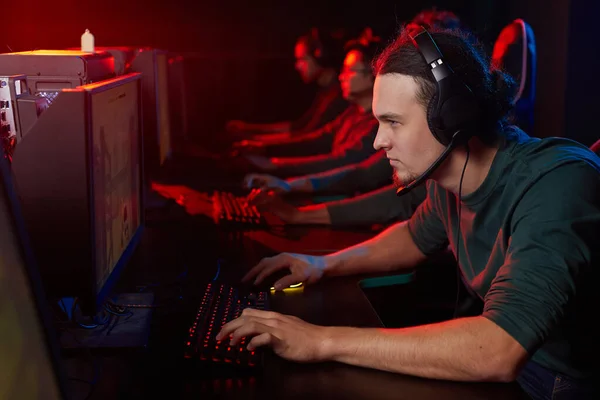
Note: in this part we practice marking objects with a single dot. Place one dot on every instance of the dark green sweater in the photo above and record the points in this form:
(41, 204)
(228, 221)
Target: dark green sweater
(530, 246)
(381, 206)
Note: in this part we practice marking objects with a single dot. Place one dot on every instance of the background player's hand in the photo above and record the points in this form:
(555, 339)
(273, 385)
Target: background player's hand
(265, 181)
(249, 147)
(267, 201)
(236, 126)
(303, 268)
(263, 163)
(194, 202)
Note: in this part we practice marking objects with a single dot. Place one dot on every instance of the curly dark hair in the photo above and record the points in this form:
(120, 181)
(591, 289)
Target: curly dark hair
(434, 18)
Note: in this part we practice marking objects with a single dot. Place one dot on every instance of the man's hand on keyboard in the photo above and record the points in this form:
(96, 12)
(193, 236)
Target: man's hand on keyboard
(264, 181)
(290, 337)
(303, 268)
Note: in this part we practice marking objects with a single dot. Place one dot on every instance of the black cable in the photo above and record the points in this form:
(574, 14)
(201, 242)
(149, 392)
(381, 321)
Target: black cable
(134, 305)
(117, 320)
(64, 310)
(117, 313)
(95, 325)
(458, 274)
(218, 270)
(84, 326)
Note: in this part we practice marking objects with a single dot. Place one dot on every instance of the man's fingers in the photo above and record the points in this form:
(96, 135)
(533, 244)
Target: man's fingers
(253, 312)
(249, 328)
(287, 281)
(249, 315)
(256, 269)
(269, 269)
(258, 197)
(252, 195)
(249, 180)
(258, 182)
(264, 339)
(230, 327)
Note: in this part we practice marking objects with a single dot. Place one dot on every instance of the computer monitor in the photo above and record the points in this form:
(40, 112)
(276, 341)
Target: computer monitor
(153, 64)
(79, 177)
(28, 347)
(116, 174)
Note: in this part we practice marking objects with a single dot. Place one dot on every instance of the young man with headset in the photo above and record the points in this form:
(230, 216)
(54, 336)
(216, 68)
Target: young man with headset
(371, 196)
(345, 140)
(522, 216)
(319, 56)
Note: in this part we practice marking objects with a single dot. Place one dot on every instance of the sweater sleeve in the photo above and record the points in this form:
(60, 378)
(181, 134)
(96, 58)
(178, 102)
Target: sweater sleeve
(380, 206)
(367, 175)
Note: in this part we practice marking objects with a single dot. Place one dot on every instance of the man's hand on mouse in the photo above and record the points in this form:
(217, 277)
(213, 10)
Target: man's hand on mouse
(290, 337)
(303, 269)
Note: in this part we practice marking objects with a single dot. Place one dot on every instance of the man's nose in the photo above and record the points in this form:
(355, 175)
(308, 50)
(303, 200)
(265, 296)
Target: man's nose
(381, 141)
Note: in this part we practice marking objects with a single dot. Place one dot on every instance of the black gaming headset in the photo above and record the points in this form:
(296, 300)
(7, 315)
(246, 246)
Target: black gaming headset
(327, 46)
(453, 111)
(318, 50)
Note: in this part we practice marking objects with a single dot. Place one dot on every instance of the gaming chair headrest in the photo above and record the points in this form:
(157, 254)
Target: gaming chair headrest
(596, 148)
(515, 52)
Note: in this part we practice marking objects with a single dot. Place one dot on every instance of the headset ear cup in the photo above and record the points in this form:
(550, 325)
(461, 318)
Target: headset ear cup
(433, 120)
(317, 45)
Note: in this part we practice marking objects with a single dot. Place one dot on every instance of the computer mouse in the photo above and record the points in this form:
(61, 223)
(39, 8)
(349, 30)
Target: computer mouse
(268, 283)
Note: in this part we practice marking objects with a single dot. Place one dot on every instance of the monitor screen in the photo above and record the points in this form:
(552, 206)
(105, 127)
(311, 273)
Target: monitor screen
(162, 98)
(25, 356)
(116, 175)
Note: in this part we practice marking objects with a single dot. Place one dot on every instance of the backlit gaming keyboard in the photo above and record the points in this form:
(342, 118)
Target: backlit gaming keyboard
(221, 304)
(234, 209)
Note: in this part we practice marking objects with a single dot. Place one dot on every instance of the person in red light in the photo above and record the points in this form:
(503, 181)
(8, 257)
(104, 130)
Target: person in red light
(371, 178)
(318, 57)
(345, 140)
(520, 214)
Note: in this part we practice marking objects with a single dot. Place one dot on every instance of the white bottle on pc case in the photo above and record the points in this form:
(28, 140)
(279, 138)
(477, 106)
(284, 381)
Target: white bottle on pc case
(87, 42)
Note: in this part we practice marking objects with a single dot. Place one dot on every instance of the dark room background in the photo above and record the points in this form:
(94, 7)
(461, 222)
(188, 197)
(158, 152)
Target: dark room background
(240, 53)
